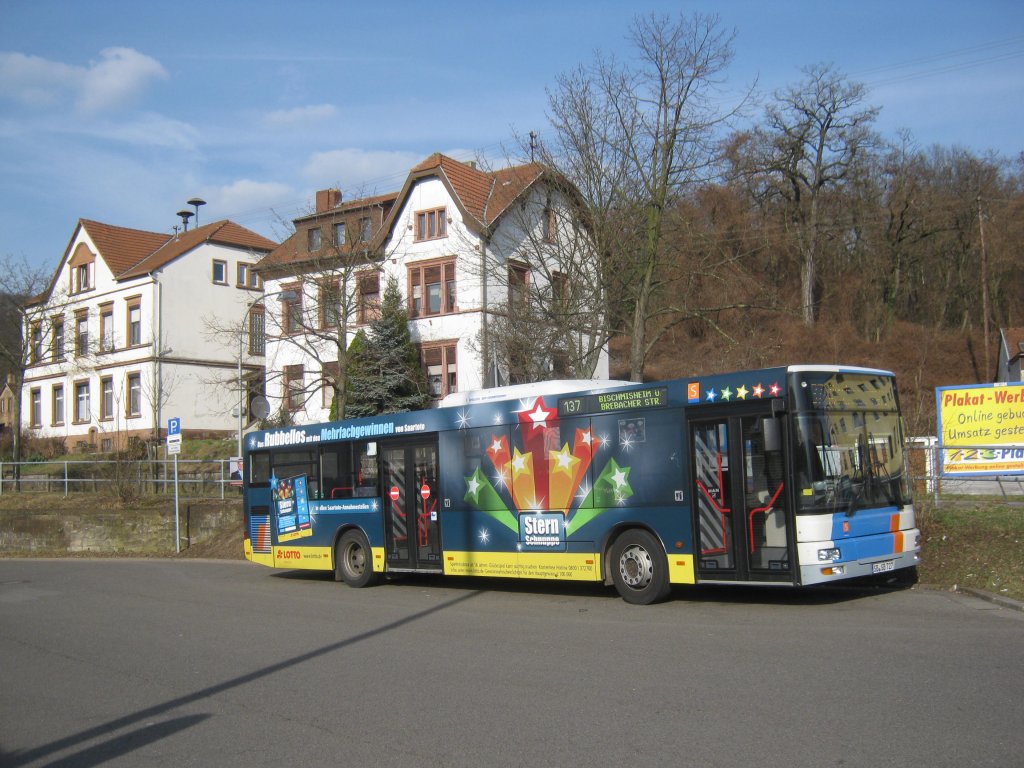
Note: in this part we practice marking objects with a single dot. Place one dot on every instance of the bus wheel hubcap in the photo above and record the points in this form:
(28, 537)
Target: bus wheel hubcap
(356, 559)
(636, 567)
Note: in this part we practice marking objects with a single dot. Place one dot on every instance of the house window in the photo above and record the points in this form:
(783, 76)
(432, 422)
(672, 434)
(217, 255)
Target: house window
(548, 223)
(330, 304)
(106, 398)
(81, 402)
(220, 272)
(36, 351)
(313, 239)
(440, 366)
(57, 349)
(57, 402)
(328, 377)
(560, 288)
(339, 233)
(432, 288)
(293, 387)
(134, 386)
(431, 225)
(247, 277)
(292, 309)
(81, 334)
(365, 229)
(36, 410)
(106, 327)
(134, 323)
(257, 332)
(83, 278)
(369, 297)
(518, 280)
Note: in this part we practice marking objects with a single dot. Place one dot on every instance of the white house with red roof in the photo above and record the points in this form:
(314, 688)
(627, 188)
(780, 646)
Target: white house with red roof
(461, 243)
(124, 337)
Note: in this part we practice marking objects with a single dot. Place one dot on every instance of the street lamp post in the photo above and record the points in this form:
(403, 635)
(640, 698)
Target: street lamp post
(285, 295)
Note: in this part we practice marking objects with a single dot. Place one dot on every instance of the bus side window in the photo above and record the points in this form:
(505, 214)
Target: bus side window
(336, 471)
(259, 469)
(365, 466)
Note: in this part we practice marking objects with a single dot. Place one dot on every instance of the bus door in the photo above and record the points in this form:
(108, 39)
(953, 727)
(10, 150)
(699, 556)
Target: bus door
(411, 506)
(740, 497)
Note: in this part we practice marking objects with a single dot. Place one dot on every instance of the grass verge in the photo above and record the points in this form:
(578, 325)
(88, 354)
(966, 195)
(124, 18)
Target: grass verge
(973, 544)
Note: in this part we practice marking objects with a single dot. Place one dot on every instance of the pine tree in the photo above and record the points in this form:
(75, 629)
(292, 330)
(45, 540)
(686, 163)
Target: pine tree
(384, 370)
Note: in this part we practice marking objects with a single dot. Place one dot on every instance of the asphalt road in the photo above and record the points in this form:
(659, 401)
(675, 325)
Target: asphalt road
(179, 663)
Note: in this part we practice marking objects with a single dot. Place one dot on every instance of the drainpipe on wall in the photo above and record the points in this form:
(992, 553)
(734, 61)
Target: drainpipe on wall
(485, 378)
(158, 347)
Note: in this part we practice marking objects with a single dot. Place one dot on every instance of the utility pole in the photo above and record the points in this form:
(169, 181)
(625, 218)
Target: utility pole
(984, 285)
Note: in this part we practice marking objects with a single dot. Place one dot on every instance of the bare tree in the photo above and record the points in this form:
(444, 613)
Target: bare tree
(331, 286)
(24, 328)
(546, 315)
(814, 135)
(632, 138)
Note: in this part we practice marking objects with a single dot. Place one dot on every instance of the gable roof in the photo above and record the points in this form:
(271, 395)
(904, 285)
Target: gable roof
(291, 253)
(481, 196)
(134, 252)
(121, 247)
(223, 232)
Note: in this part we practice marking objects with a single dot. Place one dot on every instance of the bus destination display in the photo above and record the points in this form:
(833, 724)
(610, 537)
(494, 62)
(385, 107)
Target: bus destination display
(607, 402)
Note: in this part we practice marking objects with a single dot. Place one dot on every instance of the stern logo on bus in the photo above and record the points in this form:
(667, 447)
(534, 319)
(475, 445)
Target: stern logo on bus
(545, 532)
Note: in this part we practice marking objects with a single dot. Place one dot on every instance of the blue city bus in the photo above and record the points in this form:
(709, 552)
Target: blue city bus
(781, 476)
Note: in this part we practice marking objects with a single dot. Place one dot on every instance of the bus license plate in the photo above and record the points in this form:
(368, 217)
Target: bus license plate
(884, 566)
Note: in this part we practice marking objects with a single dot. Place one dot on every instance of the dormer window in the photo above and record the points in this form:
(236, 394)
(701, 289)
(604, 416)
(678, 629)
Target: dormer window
(82, 278)
(81, 274)
(313, 240)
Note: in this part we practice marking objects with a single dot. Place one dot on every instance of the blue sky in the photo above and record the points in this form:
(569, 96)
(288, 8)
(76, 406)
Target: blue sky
(122, 111)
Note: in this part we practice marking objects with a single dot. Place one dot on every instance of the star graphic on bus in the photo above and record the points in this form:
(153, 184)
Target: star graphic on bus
(711, 395)
(462, 419)
(742, 392)
(758, 390)
(484, 536)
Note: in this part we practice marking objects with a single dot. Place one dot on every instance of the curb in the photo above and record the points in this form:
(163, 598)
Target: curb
(1000, 600)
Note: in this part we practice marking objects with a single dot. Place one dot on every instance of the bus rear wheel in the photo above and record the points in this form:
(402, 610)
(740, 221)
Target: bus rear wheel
(639, 568)
(353, 560)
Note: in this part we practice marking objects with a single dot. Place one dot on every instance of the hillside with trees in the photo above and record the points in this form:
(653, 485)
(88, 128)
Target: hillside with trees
(799, 234)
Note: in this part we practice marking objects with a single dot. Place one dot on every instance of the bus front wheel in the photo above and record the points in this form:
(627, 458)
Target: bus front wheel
(353, 560)
(639, 568)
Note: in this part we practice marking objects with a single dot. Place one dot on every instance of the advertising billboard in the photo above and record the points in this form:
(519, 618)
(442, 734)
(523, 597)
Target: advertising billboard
(981, 429)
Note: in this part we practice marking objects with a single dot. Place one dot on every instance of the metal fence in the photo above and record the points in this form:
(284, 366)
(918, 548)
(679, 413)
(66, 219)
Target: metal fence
(196, 478)
(928, 480)
(209, 479)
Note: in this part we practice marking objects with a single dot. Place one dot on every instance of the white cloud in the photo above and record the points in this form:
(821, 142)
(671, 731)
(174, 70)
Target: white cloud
(147, 130)
(117, 77)
(300, 116)
(36, 81)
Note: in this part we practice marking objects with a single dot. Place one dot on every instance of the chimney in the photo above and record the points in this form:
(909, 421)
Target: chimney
(326, 199)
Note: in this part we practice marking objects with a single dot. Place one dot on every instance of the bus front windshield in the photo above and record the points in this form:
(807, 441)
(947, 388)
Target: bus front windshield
(849, 443)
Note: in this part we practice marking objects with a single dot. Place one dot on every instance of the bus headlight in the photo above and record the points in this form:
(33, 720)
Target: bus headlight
(828, 555)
